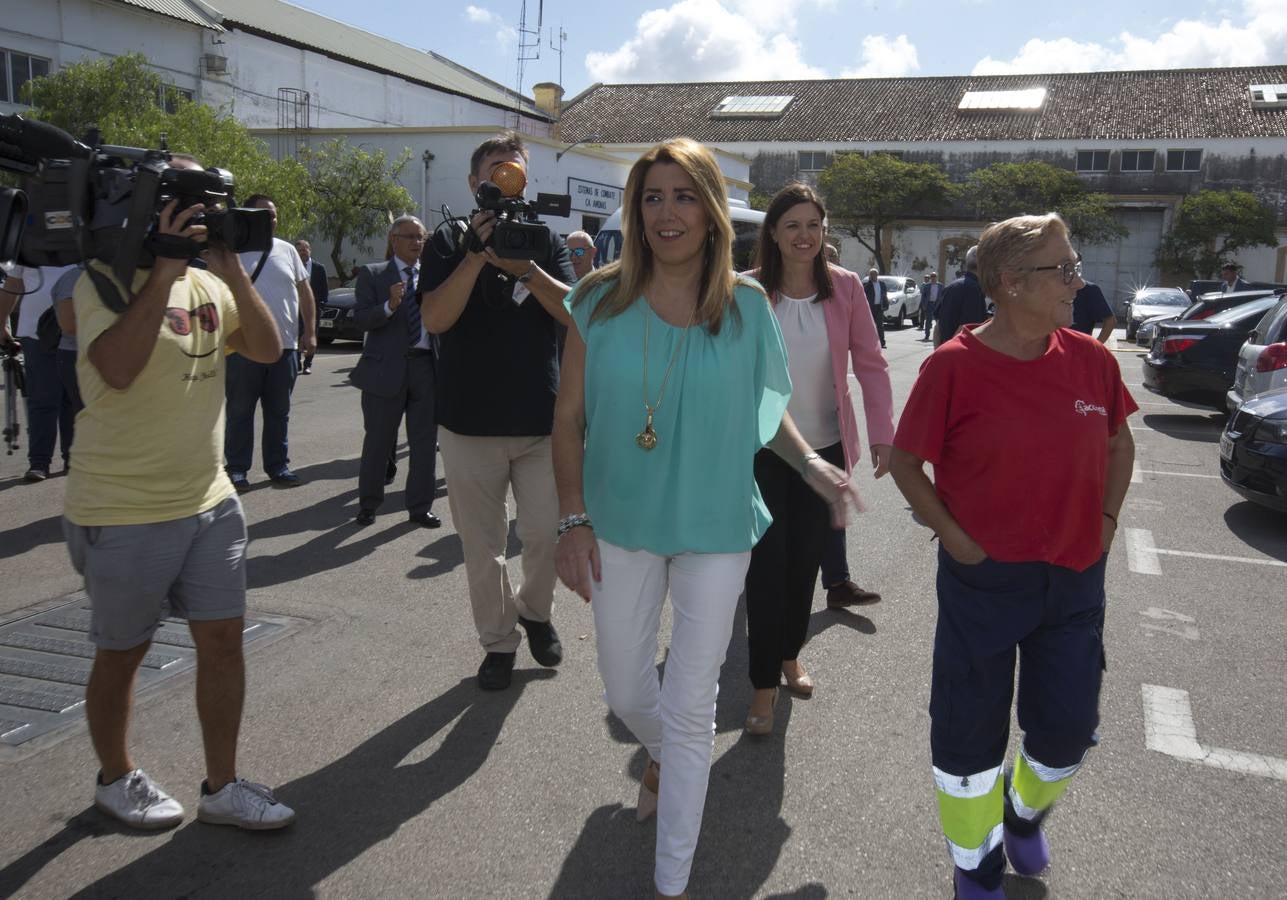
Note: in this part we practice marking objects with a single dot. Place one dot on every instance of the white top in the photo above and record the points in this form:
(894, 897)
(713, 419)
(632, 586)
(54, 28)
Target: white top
(276, 284)
(813, 392)
(40, 281)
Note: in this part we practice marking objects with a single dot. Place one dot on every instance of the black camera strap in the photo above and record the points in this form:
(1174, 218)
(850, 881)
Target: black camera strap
(77, 182)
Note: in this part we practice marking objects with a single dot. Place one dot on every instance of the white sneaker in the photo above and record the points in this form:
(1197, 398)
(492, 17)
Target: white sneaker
(135, 800)
(244, 804)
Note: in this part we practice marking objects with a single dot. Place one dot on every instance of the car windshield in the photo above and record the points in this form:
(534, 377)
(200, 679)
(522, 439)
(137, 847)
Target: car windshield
(893, 282)
(1237, 313)
(1162, 298)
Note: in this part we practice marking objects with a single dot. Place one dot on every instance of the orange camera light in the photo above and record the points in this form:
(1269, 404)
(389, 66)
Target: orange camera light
(510, 178)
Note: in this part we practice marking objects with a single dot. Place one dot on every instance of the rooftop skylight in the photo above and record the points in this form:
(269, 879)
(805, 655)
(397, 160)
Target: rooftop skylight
(1269, 96)
(1025, 100)
(752, 106)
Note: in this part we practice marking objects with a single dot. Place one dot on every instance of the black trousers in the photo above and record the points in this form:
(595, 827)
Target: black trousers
(878, 314)
(784, 565)
(381, 417)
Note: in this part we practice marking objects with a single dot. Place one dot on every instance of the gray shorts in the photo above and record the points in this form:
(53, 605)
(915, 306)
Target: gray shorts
(136, 575)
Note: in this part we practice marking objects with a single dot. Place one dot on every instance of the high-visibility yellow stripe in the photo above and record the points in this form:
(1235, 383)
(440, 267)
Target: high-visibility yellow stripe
(970, 809)
(1030, 794)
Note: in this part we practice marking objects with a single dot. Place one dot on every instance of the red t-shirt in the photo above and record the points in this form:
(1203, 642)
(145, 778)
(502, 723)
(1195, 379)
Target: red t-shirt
(1020, 448)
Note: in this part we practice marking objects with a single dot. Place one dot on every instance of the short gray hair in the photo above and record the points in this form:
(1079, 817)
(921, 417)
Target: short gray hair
(579, 234)
(402, 220)
(972, 259)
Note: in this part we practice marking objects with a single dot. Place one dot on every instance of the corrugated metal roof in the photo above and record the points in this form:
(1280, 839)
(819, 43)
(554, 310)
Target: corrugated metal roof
(187, 10)
(1175, 104)
(306, 28)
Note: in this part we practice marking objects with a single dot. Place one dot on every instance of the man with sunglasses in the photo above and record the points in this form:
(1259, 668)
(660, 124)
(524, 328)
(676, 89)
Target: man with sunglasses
(396, 375)
(582, 251)
(962, 302)
(151, 520)
(498, 374)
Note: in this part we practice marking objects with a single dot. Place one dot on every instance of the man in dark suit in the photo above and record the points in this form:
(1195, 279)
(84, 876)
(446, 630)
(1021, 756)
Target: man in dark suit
(930, 292)
(1230, 280)
(878, 300)
(397, 374)
(962, 302)
(321, 290)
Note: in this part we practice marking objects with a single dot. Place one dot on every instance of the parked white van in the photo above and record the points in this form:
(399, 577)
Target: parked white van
(746, 231)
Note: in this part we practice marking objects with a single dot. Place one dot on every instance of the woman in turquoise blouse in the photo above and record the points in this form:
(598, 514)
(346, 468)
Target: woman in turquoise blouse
(673, 377)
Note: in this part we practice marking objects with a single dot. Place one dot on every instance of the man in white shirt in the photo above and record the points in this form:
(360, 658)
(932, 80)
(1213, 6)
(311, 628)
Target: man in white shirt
(283, 285)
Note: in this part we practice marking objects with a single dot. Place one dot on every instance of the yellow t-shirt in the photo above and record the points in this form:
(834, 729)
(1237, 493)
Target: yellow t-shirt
(154, 451)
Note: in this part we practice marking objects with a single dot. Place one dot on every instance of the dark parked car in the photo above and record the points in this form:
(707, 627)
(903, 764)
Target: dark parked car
(1253, 450)
(335, 320)
(1205, 306)
(1195, 360)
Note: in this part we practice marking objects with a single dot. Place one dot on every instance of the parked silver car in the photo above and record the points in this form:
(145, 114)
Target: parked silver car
(1148, 302)
(1262, 361)
(904, 296)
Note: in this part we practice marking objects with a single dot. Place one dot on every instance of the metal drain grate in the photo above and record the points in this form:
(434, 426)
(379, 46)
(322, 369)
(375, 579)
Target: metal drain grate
(45, 660)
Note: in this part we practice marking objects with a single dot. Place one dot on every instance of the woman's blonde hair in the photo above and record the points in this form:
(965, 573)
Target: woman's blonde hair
(628, 275)
(1007, 246)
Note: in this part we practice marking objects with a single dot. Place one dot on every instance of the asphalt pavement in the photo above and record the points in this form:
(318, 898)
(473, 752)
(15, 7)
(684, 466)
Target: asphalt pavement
(410, 782)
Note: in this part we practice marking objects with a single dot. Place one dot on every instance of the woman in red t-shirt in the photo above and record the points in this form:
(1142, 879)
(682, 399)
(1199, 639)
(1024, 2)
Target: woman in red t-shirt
(1021, 418)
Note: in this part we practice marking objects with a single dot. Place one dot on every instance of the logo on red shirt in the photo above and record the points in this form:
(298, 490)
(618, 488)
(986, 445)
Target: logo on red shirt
(1085, 409)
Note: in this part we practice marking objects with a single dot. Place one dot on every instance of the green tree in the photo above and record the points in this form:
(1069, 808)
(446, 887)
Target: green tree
(358, 195)
(1211, 226)
(865, 194)
(121, 96)
(1002, 190)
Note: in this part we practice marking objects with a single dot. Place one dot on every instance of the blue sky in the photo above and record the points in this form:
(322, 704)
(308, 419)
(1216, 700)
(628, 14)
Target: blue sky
(706, 40)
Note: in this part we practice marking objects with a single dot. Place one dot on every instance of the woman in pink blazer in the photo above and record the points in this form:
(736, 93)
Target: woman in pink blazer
(825, 322)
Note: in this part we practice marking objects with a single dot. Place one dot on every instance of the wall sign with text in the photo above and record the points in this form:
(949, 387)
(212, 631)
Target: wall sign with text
(592, 197)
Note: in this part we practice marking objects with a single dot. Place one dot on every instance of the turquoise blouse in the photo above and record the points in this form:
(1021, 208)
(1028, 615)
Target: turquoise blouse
(695, 492)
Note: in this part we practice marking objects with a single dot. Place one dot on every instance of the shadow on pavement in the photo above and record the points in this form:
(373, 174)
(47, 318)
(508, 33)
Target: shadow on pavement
(17, 541)
(826, 618)
(1255, 526)
(742, 830)
(344, 809)
(1203, 428)
(1017, 887)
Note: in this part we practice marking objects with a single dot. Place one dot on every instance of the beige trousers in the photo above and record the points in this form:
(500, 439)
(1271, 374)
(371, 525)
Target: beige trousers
(480, 472)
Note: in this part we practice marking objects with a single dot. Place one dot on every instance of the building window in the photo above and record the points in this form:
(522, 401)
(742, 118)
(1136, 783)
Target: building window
(812, 160)
(19, 68)
(170, 96)
(1183, 160)
(1138, 160)
(1092, 160)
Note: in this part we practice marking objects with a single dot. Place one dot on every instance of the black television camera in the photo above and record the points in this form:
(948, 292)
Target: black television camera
(519, 233)
(95, 201)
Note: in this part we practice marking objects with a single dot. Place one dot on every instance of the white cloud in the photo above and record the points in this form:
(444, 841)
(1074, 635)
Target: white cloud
(506, 35)
(1187, 44)
(704, 40)
(883, 57)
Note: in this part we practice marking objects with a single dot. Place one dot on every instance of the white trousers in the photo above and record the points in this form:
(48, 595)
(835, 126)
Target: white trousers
(673, 718)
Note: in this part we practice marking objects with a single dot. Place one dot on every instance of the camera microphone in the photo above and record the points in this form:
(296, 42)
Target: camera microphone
(30, 141)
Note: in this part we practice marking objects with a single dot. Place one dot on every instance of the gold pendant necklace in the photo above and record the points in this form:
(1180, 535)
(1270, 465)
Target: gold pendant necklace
(647, 439)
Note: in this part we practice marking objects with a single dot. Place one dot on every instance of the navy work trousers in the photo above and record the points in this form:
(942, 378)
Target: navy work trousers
(249, 384)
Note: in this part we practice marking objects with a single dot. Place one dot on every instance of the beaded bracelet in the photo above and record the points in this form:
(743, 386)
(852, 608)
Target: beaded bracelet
(576, 520)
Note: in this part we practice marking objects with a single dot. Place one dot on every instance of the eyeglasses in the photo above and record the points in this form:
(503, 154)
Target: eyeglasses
(577, 251)
(1069, 271)
(180, 319)
(418, 238)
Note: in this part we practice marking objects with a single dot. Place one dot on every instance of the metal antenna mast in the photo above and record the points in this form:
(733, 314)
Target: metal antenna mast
(529, 49)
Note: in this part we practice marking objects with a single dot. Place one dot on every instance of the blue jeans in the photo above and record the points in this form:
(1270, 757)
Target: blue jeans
(49, 408)
(835, 567)
(270, 384)
(927, 317)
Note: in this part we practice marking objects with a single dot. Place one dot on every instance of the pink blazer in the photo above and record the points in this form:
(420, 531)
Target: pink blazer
(851, 332)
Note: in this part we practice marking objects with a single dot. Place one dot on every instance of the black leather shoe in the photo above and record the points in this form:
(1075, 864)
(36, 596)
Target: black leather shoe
(239, 483)
(496, 671)
(543, 641)
(286, 479)
(365, 517)
(426, 520)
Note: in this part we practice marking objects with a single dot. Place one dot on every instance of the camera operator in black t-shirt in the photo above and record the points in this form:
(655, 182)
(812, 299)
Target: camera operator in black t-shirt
(497, 379)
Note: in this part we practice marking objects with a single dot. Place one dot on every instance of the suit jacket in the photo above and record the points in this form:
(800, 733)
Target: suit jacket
(382, 370)
(930, 294)
(851, 333)
(317, 281)
(870, 289)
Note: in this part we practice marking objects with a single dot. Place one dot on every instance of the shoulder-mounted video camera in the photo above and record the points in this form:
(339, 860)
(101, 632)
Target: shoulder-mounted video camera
(519, 232)
(89, 200)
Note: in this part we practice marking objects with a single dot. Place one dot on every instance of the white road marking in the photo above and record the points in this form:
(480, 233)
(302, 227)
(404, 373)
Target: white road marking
(1141, 554)
(1255, 560)
(1176, 474)
(1176, 624)
(1169, 729)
